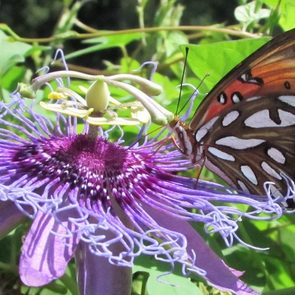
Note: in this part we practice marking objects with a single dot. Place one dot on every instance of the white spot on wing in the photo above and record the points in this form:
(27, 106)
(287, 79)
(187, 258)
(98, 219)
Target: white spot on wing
(269, 170)
(201, 133)
(218, 171)
(249, 174)
(287, 118)
(275, 193)
(262, 119)
(288, 99)
(222, 98)
(229, 118)
(204, 129)
(253, 98)
(236, 98)
(244, 77)
(276, 155)
(243, 186)
(220, 154)
(259, 119)
(239, 143)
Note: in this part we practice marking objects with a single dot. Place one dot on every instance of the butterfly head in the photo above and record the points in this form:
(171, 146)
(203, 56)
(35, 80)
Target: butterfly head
(183, 137)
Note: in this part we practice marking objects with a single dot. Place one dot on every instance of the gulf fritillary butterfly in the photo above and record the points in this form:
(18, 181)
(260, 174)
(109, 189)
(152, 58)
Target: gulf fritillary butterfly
(244, 130)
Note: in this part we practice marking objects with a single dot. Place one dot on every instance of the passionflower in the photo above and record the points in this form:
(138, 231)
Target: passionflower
(105, 203)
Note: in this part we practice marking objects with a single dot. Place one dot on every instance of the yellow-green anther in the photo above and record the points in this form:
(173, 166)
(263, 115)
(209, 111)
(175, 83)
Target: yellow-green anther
(150, 90)
(73, 94)
(55, 95)
(67, 110)
(98, 96)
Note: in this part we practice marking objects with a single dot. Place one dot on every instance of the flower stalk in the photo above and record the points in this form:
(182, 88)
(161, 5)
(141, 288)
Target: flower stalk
(109, 279)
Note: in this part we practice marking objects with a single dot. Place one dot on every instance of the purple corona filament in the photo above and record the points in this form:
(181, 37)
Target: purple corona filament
(95, 198)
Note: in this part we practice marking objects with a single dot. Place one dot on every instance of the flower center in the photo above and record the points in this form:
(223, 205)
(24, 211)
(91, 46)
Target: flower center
(80, 161)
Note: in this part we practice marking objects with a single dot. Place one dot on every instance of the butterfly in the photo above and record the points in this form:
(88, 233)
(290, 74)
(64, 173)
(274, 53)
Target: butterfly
(244, 129)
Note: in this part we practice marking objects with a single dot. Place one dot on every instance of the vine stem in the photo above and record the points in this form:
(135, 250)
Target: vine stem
(99, 33)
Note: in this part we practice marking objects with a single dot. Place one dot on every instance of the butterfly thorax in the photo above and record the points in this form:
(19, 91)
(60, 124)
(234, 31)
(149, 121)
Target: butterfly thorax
(184, 140)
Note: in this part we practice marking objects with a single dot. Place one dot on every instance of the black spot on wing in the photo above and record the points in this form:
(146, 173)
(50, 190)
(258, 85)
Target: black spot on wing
(287, 85)
(248, 78)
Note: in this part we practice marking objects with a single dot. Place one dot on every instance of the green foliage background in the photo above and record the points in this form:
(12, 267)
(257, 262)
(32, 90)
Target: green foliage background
(116, 37)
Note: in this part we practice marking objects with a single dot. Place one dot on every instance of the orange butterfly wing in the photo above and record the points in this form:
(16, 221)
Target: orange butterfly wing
(273, 63)
(245, 127)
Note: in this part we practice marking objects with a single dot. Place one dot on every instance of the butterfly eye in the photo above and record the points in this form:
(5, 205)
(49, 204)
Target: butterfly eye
(180, 135)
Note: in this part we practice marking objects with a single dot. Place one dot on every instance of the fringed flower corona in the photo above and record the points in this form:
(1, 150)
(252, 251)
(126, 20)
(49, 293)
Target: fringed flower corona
(103, 202)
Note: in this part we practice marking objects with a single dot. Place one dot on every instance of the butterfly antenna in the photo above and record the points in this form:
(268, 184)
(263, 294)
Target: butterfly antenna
(194, 93)
(182, 78)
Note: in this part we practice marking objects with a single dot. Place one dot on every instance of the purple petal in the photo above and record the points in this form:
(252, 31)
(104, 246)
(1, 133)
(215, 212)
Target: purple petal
(47, 249)
(97, 273)
(10, 217)
(218, 273)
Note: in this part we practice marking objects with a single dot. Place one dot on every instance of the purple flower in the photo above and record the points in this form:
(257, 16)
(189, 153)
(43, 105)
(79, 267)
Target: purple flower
(106, 203)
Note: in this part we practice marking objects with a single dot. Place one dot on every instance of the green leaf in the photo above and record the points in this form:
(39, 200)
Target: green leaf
(11, 52)
(12, 77)
(171, 284)
(174, 39)
(280, 277)
(287, 12)
(216, 59)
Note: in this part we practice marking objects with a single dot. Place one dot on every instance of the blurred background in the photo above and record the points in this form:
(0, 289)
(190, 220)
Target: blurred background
(106, 37)
(32, 18)
(37, 19)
